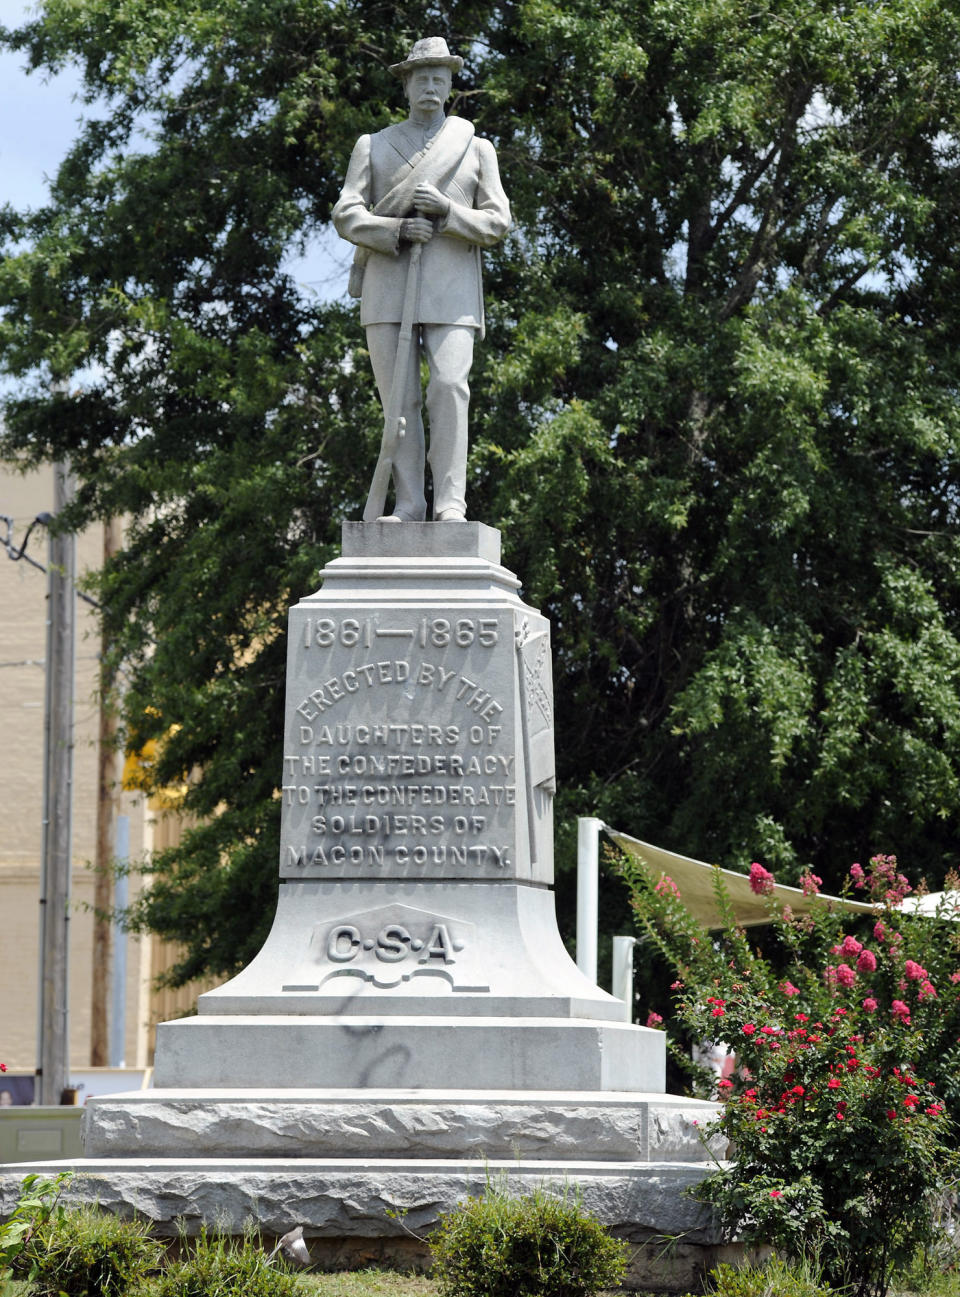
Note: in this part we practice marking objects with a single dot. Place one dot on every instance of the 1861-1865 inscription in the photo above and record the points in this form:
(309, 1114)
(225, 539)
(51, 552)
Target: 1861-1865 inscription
(410, 748)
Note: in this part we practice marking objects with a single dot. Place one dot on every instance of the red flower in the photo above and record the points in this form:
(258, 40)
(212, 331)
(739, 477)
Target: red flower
(776, 1193)
(748, 1028)
(718, 1012)
(834, 1084)
(724, 1085)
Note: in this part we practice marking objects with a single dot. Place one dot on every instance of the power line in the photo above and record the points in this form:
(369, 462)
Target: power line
(15, 555)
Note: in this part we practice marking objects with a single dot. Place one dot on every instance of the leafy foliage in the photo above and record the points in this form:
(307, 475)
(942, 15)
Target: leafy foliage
(536, 1245)
(215, 1265)
(839, 1136)
(715, 414)
(38, 1204)
(87, 1252)
(775, 1279)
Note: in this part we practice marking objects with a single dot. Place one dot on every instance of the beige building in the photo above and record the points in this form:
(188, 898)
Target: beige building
(23, 600)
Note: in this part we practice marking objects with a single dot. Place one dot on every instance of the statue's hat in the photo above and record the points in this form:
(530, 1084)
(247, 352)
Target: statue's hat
(432, 49)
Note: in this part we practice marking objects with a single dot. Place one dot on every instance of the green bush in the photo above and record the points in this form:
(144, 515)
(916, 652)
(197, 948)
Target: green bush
(215, 1265)
(775, 1279)
(39, 1201)
(537, 1245)
(86, 1253)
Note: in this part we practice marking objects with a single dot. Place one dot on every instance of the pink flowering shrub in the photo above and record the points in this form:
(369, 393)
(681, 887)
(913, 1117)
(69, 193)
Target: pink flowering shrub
(761, 880)
(848, 1068)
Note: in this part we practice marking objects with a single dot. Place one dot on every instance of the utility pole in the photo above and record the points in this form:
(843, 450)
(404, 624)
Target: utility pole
(107, 805)
(54, 1050)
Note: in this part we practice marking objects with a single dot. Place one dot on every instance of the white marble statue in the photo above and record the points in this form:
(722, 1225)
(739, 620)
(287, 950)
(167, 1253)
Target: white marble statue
(420, 200)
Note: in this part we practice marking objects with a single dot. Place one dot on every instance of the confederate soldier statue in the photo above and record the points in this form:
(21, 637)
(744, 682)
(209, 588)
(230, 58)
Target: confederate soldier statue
(420, 200)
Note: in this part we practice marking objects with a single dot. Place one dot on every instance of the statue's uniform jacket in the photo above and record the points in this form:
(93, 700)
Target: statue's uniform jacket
(449, 293)
(479, 215)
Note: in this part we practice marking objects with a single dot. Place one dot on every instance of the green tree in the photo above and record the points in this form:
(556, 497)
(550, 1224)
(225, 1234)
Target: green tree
(715, 415)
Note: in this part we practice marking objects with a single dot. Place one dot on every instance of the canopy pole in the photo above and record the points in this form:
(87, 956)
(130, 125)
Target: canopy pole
(588, 887)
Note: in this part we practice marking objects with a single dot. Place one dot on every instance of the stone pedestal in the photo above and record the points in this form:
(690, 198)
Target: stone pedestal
(413, 1022)
(415, 943)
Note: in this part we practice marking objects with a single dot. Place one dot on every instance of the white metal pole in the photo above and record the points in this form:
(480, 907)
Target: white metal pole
(53, 1071)
(588, 887)
(623, 973)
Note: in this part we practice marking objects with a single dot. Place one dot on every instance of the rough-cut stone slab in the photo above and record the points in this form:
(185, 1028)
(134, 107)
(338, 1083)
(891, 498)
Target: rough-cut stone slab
(311, 1124)
(335, 1198)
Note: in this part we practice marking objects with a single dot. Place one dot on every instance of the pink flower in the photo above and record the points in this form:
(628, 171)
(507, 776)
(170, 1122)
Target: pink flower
(851, 946)
(788, 988)
(654, 1019)
(846, 975)
(867, 962)
(879, 931)
(3, 1067)
(900, 1012)
(724, 1085)
(761, 880)
(666, 886)
(955, 977)
(858, 876)
(810, 884)
(870, 1004)
(916, 972)
(927, 991)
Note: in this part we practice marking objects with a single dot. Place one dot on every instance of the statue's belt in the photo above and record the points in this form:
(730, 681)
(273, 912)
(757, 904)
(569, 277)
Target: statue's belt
(436, 165)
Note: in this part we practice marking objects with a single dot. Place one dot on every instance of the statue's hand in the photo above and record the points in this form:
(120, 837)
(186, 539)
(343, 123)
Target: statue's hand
(416, 229)
(428, 198)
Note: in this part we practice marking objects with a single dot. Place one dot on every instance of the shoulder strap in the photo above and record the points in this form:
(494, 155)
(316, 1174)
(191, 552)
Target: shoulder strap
(435, 166)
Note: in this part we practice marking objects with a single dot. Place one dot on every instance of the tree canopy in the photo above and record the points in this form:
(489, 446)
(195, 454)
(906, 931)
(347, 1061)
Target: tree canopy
(716, 414)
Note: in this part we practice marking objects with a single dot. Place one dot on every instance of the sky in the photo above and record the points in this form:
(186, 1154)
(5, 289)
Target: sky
(38, 122)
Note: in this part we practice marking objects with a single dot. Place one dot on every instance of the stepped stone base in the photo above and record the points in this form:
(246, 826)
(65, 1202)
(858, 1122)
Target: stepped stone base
(360, 1172)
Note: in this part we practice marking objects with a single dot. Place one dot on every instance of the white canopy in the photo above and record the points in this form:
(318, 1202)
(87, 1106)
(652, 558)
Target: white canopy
(694, 880)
